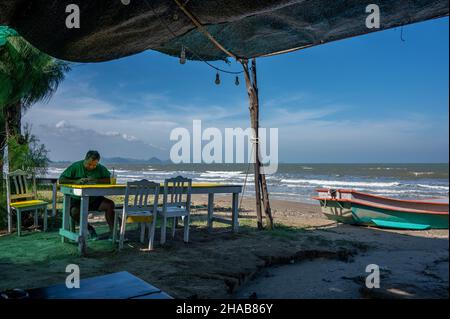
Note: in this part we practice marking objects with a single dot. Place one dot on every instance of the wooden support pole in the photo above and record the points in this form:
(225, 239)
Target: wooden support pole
(252, 94)
(262, 176)
(252, 89)
(261, 192)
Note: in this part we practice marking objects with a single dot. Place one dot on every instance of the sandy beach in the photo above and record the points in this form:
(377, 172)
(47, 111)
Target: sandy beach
(413, 264)
(306, 256)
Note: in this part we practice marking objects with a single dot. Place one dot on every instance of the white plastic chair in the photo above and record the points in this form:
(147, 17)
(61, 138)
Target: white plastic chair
(176, 203)
(21, 197)
(139, 211)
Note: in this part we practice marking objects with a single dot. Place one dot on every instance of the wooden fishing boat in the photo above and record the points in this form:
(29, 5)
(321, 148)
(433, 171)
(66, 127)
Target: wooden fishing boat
(353, 207)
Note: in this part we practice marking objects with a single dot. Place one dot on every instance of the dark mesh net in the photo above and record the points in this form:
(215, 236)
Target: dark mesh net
(111, 30)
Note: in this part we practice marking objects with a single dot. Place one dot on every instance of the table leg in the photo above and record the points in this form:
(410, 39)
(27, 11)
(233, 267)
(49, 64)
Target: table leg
(54, 200)
(84, 212)
(9, 220)
(235, 209)
(210, 211)
(36, 218)
(8, 207)
(66, 215)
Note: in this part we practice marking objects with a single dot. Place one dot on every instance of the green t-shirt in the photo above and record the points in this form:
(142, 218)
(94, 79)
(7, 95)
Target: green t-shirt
(77, 171)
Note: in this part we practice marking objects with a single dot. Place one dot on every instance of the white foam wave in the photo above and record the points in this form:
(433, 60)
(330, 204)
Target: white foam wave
(54, 170)
(131, 176)
(391, 191)
(296, 186)
(121, 171)
(223, 174)
(210, 179)
(325, 183)
(387, 168)
(422, 173)
(158, 173)
(437, 187)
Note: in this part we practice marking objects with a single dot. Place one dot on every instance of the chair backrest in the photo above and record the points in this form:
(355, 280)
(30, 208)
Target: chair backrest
(18, 186)
(142, 191)
(177, 192)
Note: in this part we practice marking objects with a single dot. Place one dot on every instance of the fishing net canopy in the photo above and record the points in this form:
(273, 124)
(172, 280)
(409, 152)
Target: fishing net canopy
(109, 29)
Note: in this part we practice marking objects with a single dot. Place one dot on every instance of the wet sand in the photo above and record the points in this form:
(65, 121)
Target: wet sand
(412, 264)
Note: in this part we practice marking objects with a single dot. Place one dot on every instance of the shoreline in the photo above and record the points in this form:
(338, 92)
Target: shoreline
(298, 182)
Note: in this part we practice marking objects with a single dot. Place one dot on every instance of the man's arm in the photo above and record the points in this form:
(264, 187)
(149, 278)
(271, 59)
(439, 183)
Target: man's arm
(69, 177)
(101, 180)
(65, 180)
(106, 176)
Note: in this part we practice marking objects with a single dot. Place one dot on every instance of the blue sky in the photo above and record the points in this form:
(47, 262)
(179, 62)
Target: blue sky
(371, 99)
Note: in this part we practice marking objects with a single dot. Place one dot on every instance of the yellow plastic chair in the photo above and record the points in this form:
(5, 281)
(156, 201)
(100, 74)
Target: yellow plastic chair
(21, 197)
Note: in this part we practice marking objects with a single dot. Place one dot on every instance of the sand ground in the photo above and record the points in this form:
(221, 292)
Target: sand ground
(306, 256)
(413, 264)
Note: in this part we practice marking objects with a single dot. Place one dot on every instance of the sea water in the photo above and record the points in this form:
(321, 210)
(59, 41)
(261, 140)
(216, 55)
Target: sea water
(298, 182)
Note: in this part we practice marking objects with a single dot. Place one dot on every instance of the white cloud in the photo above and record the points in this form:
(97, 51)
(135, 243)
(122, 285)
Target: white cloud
(139, 126)
(70, 142)
(61, 124)
(129, 138)
(111, 133)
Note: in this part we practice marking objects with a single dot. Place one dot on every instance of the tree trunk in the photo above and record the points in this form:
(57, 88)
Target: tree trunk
(12, 115)
(261, 192)
(2, 150)
(13, 119)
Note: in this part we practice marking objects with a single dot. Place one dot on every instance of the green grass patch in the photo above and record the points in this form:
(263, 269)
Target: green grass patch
(285, 232)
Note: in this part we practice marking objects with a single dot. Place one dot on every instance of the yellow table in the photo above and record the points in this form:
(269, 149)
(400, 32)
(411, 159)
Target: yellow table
(85, 191)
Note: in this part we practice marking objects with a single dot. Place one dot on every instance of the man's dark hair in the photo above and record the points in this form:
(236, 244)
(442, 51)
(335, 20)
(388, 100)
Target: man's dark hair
(92, 155)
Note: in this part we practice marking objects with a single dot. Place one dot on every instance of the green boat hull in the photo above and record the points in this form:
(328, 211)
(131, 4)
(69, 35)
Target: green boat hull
(338, 212)
(356, 214)
(386, 218)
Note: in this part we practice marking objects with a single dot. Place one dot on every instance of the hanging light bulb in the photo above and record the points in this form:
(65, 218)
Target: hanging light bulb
(183, 55)
(237, 81)
(217, 78)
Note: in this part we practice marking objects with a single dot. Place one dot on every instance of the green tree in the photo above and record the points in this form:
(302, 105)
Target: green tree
(26, 153)
(27, 76)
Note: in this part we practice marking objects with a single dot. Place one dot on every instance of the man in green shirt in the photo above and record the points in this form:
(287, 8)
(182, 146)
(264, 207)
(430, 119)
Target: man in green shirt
(89, 171)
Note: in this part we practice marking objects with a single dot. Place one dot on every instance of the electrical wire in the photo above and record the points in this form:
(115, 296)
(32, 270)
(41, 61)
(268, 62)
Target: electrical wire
(401, 35)
(186, 47)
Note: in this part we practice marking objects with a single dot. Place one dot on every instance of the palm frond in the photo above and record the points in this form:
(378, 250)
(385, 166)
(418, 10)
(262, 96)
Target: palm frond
(35, 76)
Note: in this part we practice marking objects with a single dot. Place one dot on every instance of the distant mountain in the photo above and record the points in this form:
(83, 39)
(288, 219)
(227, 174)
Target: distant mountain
(60, 162)
(122, 160)
(155, 160)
